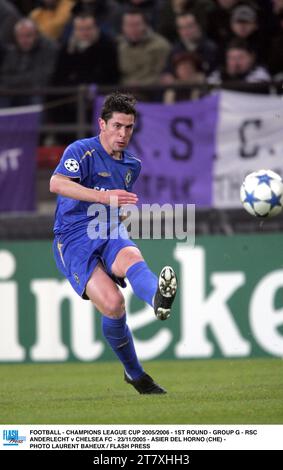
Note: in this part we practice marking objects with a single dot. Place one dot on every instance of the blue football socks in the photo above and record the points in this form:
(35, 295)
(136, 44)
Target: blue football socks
(118, 335)
(143, 281)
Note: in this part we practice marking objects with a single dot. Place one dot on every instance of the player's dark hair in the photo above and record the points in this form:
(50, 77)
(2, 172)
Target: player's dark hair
(118, 103)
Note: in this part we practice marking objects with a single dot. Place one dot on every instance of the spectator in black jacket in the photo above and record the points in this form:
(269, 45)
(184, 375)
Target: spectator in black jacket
(90, 56)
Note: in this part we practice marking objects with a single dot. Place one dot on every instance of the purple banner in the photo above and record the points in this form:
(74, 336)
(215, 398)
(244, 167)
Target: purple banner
(18, 141)
(176, 144)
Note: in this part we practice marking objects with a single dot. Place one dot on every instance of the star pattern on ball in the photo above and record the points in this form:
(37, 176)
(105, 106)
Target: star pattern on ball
(264, 179)
(250, 198)
(274, 200)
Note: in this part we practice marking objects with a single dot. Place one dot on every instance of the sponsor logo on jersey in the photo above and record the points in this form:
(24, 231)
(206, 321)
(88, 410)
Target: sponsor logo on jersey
(88, 153)
(104, 174)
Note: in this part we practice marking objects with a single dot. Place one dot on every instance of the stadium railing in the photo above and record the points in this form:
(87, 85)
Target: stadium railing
(82, 98)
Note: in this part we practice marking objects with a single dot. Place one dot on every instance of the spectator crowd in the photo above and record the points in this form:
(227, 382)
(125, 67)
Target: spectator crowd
(137, 42)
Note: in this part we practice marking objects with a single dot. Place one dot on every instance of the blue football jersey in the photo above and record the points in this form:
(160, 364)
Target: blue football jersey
(87, 162)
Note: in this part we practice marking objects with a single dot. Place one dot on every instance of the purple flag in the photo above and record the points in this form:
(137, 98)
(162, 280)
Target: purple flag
(18, 141)
(176, 144)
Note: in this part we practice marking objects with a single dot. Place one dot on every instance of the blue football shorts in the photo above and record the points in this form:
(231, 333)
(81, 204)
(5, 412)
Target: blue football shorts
(77, 255)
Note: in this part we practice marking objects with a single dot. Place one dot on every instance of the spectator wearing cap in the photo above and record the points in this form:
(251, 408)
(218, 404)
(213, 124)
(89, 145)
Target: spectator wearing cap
(191, 38)
(186, 71)
(240, 65)
(244, 24)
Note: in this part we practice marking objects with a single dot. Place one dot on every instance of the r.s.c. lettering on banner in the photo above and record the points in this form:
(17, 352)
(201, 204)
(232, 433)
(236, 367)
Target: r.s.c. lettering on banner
(248, 149)
(181, 128)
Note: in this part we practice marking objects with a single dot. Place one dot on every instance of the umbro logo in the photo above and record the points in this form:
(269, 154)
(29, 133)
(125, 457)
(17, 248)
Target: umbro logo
(104, 174)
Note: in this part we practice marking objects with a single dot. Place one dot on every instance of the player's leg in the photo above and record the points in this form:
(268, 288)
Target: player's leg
(157, 292)
(130, 263)
(107, 298)
(104, 293)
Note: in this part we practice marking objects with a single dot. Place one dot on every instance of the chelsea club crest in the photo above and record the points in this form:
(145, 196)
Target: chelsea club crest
(128, 177)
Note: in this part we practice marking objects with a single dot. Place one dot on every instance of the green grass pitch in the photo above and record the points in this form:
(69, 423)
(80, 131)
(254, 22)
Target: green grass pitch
(199, 392)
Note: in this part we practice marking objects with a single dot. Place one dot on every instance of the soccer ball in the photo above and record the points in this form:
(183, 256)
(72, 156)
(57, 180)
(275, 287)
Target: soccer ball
(262, 193)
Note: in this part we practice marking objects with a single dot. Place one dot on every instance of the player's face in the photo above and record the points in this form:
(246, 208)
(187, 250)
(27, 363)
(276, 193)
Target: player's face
(116, 132)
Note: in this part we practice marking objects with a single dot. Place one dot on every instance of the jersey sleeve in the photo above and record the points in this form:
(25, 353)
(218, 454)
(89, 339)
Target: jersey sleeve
(135, 176)
(71, 164)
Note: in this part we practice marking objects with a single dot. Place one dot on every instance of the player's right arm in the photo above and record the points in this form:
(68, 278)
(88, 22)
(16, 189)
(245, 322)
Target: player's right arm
(65, 186)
